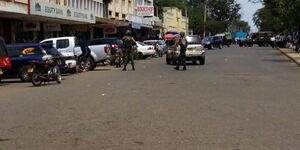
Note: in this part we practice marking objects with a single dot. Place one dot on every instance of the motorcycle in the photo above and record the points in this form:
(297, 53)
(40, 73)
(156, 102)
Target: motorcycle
(118, 58)
(46, 70)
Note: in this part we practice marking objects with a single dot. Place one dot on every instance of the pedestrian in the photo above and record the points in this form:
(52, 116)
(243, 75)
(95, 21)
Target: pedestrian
(182, 42)
(82, 63)
(129, 42)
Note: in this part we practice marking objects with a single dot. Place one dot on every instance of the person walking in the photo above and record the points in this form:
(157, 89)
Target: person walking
(182, 42)
(129, 42)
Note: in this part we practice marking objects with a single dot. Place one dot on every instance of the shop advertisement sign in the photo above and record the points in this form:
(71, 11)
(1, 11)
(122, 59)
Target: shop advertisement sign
(42, 8)
(21, 1)
(52, 27)
(31, 26)
(8, 6)
(139, 20)
(136, 26)
(145, 10)
(110, 30)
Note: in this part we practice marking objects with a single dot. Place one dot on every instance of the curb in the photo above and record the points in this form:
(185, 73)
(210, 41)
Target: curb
(291, 58)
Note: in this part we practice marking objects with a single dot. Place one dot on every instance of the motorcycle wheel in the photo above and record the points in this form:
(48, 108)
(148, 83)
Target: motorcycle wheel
(35, 78)
(58, 77)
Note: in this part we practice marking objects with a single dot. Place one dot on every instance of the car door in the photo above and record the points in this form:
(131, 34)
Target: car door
(64, 47)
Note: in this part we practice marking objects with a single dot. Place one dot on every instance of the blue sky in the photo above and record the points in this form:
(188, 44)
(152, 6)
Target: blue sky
(247, 11)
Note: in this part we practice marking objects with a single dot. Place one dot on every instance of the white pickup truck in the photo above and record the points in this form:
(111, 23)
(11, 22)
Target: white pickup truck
(70, 49)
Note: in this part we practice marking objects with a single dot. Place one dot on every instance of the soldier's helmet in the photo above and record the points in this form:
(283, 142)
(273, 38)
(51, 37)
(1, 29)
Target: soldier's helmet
(182, 34)
(128, 32)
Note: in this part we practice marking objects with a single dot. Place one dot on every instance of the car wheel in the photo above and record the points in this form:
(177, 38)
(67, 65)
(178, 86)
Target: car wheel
(202, 60)
(210, 47)
(140, 55)
(194, 62)
(24, 75)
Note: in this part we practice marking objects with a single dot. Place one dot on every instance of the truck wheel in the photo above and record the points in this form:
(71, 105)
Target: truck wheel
(202, 60)
(91, 64)
(24, 75)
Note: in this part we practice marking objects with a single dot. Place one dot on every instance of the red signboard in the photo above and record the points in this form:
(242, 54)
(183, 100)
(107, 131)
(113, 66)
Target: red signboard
(145, 10)
(109, 30)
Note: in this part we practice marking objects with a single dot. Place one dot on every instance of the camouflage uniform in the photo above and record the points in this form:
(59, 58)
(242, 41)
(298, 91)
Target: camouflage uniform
(128, 51)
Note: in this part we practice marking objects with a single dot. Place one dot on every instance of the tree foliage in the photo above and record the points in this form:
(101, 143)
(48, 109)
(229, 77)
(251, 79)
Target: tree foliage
(221, 13)
(278, 15)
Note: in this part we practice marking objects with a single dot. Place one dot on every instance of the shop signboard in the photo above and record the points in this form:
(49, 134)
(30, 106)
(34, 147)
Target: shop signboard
(136, 26)
(109, 30)
(137, 21)
(43, 8)
(9, 6)
(21, 1)
(51, 27)
(31, 26)
(145, 11)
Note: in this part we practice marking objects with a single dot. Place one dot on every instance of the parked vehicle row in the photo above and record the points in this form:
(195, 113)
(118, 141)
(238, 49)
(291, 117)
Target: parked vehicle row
(43, 62)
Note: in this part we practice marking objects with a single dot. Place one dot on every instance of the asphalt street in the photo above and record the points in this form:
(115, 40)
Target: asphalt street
(242, 99)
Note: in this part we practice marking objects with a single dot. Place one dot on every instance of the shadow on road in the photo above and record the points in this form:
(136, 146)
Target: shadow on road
(276, 60)
(102, 69)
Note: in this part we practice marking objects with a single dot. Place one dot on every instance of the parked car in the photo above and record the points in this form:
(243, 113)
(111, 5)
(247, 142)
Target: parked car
(5, 62)
(115, 44)
(159, 45)
(70, 49)
(210, 43)
(262, 38)
(225, 39)
(195, 51)
(22, 55)
(144, 51)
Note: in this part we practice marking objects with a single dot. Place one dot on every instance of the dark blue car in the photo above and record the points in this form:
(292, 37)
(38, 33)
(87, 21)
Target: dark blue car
(22, 55)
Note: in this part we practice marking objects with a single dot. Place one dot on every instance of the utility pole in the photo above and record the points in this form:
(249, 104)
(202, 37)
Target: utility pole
(204, 19)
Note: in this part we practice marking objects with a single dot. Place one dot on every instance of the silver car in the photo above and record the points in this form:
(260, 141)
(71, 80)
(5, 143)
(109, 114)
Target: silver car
(195, 51)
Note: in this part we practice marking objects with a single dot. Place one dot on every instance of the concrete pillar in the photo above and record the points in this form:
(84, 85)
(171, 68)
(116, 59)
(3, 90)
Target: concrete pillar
(13, 32)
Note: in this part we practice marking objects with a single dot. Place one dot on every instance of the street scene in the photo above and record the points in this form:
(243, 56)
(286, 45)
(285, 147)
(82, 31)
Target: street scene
(149, 74)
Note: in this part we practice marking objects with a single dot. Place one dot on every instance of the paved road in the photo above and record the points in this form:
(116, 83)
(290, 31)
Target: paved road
(243, 99)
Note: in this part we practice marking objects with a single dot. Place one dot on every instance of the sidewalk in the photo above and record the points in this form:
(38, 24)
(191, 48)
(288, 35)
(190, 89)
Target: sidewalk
(291, 54)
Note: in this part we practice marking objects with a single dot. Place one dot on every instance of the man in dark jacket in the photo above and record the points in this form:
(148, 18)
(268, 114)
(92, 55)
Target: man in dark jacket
(182, 42)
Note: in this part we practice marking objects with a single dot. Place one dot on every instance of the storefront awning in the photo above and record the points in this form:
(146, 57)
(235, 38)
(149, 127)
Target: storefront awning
(100, 22)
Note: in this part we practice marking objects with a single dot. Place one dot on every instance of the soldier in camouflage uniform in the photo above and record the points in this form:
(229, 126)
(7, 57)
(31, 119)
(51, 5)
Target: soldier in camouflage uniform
(129, 42)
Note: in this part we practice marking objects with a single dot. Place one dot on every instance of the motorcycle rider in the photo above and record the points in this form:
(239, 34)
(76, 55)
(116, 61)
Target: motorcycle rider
(84, 57)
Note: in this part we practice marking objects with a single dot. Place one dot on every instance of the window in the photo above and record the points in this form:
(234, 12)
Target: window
(129, 3)
(17, 51)
(123, 16)
(62, 43)
(117, 14)
(110, 13)
(193, 39)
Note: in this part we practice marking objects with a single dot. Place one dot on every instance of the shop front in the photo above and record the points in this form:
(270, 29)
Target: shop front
(141, 27)
(110, 28)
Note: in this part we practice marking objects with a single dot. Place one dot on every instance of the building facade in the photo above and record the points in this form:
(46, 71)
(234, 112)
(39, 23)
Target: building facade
(35, 20)
(175, 20)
